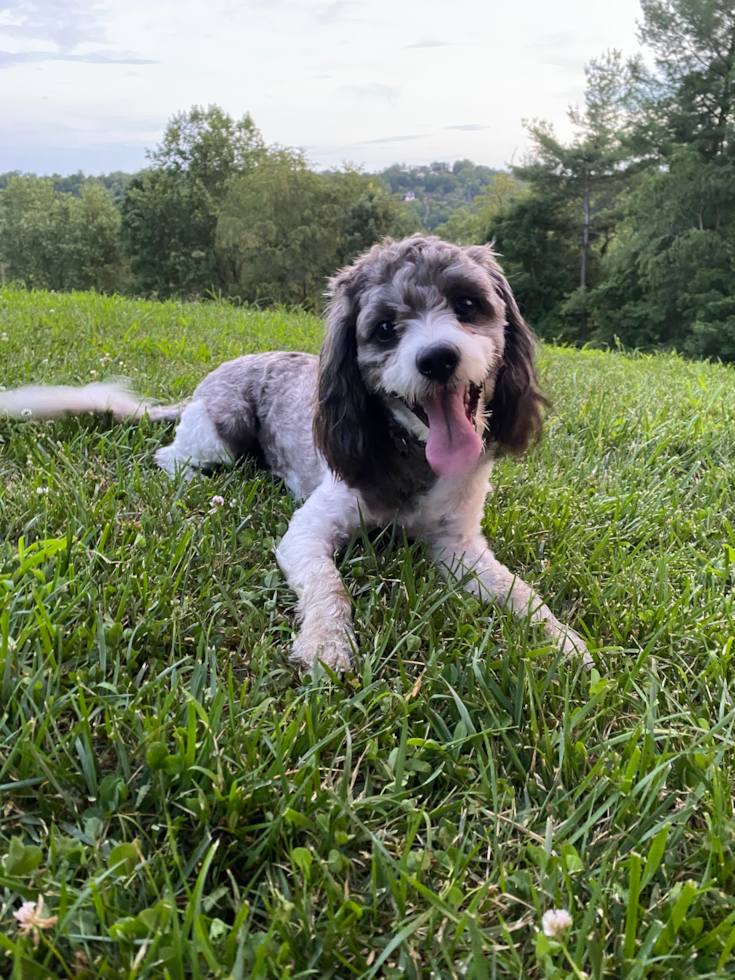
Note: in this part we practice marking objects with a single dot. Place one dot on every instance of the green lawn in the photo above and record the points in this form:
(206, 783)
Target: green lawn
(190, 807)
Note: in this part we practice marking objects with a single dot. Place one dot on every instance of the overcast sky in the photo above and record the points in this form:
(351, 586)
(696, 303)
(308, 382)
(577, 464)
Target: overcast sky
(89, 85)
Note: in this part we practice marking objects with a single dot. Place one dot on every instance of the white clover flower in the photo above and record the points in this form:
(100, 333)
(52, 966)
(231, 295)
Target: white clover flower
(555, 923)
(94, 373)
(31, 921)
(4, 337)
(27, 412)
(40, 490)
(25, 914)
(217, 501)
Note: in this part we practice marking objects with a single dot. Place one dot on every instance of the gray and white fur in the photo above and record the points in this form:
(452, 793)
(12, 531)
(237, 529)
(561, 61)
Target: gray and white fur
(426, 355)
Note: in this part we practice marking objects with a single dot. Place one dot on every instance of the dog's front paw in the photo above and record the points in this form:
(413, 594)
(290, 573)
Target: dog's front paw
(170, 463)
(330, 643)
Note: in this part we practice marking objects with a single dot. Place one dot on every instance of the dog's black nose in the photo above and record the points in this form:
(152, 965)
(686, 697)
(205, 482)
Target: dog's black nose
(438, 363)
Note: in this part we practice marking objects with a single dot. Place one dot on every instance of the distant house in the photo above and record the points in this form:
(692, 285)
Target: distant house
(410, 196)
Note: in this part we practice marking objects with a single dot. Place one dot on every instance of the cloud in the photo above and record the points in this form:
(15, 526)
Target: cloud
(430, 43)
(469, 127)
(385, 93)
(397, 139)
(8, 59)
(66, 23)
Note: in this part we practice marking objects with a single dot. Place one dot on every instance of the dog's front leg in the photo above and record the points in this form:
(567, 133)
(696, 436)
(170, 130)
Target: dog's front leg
(490, 579)
(306, 554)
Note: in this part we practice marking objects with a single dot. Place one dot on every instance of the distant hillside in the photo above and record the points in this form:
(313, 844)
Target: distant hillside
(433, 192)
(218, 212)
(115, 183)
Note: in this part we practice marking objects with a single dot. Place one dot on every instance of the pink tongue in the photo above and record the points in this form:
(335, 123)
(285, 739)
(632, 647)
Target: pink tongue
(453, 445)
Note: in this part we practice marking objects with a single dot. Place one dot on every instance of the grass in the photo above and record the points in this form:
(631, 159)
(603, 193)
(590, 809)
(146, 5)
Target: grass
(190, 807)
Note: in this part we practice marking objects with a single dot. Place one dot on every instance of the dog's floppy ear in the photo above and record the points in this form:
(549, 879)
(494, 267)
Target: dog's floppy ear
(517, 400)
(340, 431)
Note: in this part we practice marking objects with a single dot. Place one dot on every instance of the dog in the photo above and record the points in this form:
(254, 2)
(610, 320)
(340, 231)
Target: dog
(426, 374)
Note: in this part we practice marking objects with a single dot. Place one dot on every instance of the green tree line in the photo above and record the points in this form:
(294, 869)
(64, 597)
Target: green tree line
(627, 233)
(219, 212)
(216, 212)
(623, 234)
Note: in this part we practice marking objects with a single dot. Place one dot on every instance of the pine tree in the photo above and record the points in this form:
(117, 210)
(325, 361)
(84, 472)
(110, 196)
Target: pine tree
(574, 192)
(671, 274)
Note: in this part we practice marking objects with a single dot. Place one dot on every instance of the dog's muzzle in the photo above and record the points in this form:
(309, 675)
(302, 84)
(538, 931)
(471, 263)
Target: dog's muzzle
(438, 363)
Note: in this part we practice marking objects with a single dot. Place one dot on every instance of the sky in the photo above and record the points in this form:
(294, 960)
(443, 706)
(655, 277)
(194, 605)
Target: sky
(89, 84)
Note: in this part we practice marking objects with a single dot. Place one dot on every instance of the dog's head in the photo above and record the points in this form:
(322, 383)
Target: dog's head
(426, 337)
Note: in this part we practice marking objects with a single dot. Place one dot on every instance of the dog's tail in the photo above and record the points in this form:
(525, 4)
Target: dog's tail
(48, 402)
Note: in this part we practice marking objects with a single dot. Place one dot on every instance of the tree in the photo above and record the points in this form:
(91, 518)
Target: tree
(369, 214)
(209, 146)
(471, 224)
(289, 228)
(537, 240)
(671, 275)
(114, 183)
(435, 191)
(461, 227)
(671, 272)
(168, 226)
(691, 95)
(497, 197)
(218, 210)
(575, 188)
(53, 240)
(170, 211)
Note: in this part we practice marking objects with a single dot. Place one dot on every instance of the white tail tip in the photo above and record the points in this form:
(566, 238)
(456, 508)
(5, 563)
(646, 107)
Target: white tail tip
(51, 401)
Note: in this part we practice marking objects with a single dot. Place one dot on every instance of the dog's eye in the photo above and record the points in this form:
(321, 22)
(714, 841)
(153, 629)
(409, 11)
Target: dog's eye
(385, 332)
(464, 307)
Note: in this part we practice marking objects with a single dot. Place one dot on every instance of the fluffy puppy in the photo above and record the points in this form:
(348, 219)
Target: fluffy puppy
(425, 374)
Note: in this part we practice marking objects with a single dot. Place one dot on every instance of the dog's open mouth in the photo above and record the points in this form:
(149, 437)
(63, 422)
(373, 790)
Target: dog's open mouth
(471, 404)
(454, 444)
